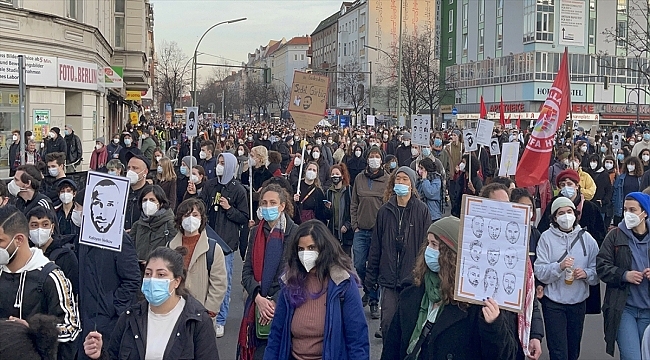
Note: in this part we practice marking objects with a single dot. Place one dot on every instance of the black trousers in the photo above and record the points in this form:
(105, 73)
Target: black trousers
(564, 324)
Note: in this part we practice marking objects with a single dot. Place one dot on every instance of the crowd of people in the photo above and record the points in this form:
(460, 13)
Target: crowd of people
(326, 223)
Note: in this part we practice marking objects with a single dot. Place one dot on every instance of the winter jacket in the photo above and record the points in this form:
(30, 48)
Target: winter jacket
(74, 149)
(170, 188)
(208, 288)
(343, 207)
(133, 208)
(356, 165)
(55, 145)
(391, 261)
(285, 152)
(346, 329)
(150, 232)
(62, 254)
(210, 166)
(14, 153)
(430, 190)
(251, 286)
(367, 198)
(20, 297)
(458, 334)
(403, 155)
(587, 185)
(445, 159)
(619, 197)
(613, 260)
(108, 283)
(148, 146)
(113, 150)
(66, 226)
(193, 336)
(37, 200)
(590, 219)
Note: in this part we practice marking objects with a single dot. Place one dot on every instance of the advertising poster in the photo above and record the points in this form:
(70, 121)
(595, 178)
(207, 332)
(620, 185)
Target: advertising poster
(308, 100)
(41, 124)
(103, 211)
(492, 252)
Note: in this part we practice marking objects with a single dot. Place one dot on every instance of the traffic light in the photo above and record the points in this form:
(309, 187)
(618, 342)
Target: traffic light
(267, 76)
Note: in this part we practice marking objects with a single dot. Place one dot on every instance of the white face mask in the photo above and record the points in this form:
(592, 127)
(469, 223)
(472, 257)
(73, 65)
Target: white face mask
(76, 217)
(40, 236)
(66, 197)
(374, 163)
(645, 157)
(357, 153)
(593, 165)
(194, 179)
(308, 259)
(191, 224)
(319, 141)
(566, 221)
(14, 137)
(252, 161)
(99, 146)
(461, 166)
(297, 161)
(583, 148)
(158, 158)
(149, 207)
(609, 166)
(133, 177)
(127, 142)
(53, 171)
(13, 188)
(632, 220)
(219, 170)
(407, 142)
(240, 152)
(116, 141)
(631, 167)
(202, 155)
(310, 175)
(315, 155)
(414, 152)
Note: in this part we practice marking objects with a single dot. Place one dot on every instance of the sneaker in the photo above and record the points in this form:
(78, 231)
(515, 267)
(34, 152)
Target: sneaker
(374, 311)
(219, 329)
(378, 334)
(364, 300)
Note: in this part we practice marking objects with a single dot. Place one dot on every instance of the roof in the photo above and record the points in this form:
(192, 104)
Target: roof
(300, 40)
(273, 48)
(326, 23)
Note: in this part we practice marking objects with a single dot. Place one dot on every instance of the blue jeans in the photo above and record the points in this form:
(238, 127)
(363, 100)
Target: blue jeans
(360, 249)
(223, 311)
(630, 332)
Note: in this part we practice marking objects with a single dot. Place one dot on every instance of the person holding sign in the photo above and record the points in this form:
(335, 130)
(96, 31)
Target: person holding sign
(430, 324)
(566, 264)
(465, 181)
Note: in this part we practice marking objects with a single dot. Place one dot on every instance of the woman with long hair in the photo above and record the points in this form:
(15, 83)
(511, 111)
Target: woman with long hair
(99, 156)
(323, 165)
(169, 323)
(156, 225)
(627, 182)
(337, 204)
(242, 159)
(309, 201)
(430, 324)
(356, 163)
(166, 179)
(158, 154)
(319, 312)
(262, 268)
(196, 183)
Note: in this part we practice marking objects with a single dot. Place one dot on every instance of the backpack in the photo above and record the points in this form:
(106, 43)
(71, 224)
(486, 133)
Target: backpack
(42, 278)
(213, 240)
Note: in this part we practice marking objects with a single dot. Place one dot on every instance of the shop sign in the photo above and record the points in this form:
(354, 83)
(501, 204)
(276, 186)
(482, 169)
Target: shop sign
(40, 70)
(113, 77)
(77, 75)
(517, 107)
(133, 95)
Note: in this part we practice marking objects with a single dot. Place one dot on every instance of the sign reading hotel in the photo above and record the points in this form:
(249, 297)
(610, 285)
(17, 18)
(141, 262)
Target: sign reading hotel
(308, 100)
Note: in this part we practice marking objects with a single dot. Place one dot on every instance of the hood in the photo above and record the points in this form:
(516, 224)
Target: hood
(561, 234)
(38, 260)
(630, 235)
(230, 167)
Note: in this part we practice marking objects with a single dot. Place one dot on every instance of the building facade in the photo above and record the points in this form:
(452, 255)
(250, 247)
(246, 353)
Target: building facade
(324, 42)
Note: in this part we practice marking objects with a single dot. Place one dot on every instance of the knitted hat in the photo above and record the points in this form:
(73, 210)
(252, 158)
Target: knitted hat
(189, 160)
(101, 139)
(408, 171)
(56, 130)
(563, 155)
(567, 174)
(561, 202)
(457, 132)
(447, 230)
(643, 199)
(406, 136)
(376, 149)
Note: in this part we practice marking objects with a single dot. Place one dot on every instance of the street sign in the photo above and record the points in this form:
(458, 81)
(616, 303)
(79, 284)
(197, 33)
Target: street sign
(454, 111)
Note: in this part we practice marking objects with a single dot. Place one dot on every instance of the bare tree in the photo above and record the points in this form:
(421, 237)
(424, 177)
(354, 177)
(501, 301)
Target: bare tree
(172, 72)
(280, 94)
(257, 96)
(351, 87)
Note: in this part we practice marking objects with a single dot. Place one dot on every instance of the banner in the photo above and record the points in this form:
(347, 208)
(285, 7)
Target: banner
(113, 77)
(551, 117)
(308, 100)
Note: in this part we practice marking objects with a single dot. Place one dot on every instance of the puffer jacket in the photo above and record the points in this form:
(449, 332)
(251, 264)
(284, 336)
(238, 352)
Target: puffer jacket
(151, 232)
(391, 261)
(367, 198)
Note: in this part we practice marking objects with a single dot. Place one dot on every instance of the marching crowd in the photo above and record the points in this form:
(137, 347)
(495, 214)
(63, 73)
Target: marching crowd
(326, 223)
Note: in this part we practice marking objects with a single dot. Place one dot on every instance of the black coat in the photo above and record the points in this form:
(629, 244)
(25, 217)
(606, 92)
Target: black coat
(192, 338)
(604, 188)
(344, 215)
(389, 266)
(226, 222)
(75, 151)
(61, 253)
(56, 145)
(457, 334)
(403, 155)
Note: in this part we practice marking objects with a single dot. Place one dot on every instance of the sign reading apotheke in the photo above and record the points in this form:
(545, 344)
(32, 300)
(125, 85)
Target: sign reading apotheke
(41, 70)
(77, 75)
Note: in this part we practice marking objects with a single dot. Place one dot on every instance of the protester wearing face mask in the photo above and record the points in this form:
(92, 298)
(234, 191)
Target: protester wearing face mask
(317, 153)
(259, 157)
(644, 156)
(158, 154)
(263, 267)
(128, 147)
(24, 187)
(465, 181)
(357, 163)
(114, 147)
(148, 146)
(55, 142)
(430, 188)
(337, 204)
(604, 185)
(582, 149)
(156, 225)
(317, 273)
(559, 165)
(14, 152)
(390, 164)
(643, 144)
(115, 167)
(183, 179)
(424, 152)
(138, 169)
(29, 279)
(167, 315)
(627, 182)
(587, 185)
(166, 178)
(99, 156)
(207, 159)
(242, 160)
(404, 152)
(67, 192)
(325, 153)
(402, 220)
(566, 264)
(459, 326)
(622, 264)
(309, 197)
(196, 183)
(55, 174)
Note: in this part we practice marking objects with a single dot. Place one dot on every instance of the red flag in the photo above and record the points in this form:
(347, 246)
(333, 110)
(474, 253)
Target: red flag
(483, 114)
(502, 116)
(533, 166)
(519, 122)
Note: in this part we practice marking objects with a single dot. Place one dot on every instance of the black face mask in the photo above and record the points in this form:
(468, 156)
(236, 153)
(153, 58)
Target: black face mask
(336, 179)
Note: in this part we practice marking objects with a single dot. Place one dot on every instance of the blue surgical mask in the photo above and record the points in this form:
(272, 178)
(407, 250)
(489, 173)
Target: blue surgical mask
(127, 142)
(431, 258)
(426, 151)
(185, 170)
(270, 213)
(156, 291)
(401, 189)
(437, 142)
(620, 157)
(646, 137)
(112, 172)
(603, 149)
(568, 191)
(393, 164)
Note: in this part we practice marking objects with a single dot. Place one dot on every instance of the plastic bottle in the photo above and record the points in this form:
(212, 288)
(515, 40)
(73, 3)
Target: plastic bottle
(568, 275)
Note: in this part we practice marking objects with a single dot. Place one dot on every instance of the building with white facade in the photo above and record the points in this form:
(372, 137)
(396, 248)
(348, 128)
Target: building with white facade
(324, 53)
(69, 48)
(288, 57)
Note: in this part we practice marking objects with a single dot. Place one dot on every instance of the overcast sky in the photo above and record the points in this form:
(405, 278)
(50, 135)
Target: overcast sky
(185, 21)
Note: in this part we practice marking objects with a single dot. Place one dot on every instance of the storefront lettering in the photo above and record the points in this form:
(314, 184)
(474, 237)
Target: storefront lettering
(544, 91)
(79, 74)
(518, 107)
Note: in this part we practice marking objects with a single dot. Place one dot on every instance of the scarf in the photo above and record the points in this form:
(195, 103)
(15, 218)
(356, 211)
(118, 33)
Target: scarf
(266, 257)
(431, 296)
(99, 158)
(579, 202)
(526, 316)
(372, 176)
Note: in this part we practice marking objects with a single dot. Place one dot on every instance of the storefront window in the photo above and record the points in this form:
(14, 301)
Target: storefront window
(8, 121)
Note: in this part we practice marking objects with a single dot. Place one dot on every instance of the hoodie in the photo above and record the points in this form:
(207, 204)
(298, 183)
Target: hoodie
(21, 298)
(551, 246)
(638, 295)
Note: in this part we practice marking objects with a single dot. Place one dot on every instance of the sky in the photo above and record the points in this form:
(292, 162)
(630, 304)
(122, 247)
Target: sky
(266, 20)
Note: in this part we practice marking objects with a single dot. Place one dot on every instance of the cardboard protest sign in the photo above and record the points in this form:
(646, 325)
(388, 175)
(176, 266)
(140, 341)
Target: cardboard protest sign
(492, 252)
(192, 125)
(308, 100)
(469, 140)
(484, 132)
(509, 158)
(420, 130)
(370, 120)
(495, 148)
(103, 211)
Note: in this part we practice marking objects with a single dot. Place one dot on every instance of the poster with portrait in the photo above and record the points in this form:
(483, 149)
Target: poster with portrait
(492, 252)
(495, 147)
(420, 130)
(103, 211)
(617, 138)
(469, 140)
(509, 158)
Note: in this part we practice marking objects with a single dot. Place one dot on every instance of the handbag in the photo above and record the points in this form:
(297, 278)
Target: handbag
(261, 331)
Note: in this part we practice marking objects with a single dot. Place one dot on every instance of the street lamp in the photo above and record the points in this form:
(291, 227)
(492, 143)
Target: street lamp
(196, 49)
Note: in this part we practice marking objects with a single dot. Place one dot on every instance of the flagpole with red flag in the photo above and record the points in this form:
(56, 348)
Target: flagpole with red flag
(483, 114)
(502, 116)
(519, 122)
(533, 166)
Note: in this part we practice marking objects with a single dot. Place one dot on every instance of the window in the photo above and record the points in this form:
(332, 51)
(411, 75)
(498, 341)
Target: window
(119, 24)
(10, 2)
(464, 44)
(295, 57)
(481, 39)
(481, 10)
(499, 36)
(621, 7)
(621, 32)
(592, 31)
(465, 10)
(450, 49)
(74, 10)
(499, 7)
(345, 49)
(451, 20)
(545, 24)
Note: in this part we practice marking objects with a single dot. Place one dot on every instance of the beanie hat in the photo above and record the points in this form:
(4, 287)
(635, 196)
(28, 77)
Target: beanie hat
(561, 202)
(457, 132)
(376, 149)
(189, 160)
(643, 199)
(567, 174)
(101, 139)
(428, 165)
(563, 155)
(408, 171)
(406, 136)
(447, 230)
(56, 130)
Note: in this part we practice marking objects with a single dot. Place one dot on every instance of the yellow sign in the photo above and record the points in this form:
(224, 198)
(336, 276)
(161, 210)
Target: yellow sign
(134, 118)
(133, 95)
(14, 99)
(308, 100)
(445, 109)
